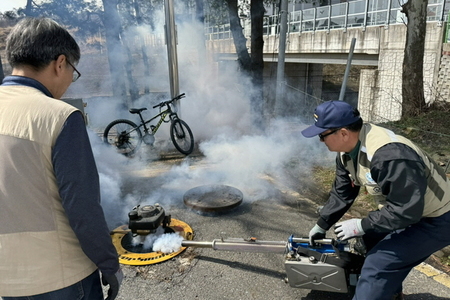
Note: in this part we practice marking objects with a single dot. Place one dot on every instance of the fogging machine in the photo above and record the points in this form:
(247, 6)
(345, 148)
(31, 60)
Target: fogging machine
(330, 265)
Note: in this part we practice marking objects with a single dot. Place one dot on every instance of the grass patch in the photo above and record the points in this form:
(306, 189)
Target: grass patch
(430, 131)
(446, 261)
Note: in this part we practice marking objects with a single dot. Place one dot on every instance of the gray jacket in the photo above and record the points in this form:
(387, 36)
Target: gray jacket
(392, 167)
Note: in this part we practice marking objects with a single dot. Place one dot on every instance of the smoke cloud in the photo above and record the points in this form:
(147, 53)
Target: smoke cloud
(217, 108)
(168, 243)
(159, 241)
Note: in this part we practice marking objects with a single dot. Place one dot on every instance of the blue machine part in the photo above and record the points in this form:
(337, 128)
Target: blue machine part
(323, 248)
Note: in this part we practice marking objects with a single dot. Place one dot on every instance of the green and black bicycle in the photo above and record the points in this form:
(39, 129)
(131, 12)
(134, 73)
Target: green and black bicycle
(127, 137)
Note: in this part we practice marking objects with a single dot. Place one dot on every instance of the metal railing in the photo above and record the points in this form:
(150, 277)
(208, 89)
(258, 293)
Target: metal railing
(358, 13)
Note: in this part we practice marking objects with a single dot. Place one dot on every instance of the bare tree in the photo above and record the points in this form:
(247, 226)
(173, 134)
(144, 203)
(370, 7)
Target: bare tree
(199, 11)
(116, 57)
(88, 19)
(413, 98)
(240, 42)
(253, 64)
(257, 61)
(145, 58)
(2, 74)
(29, 8)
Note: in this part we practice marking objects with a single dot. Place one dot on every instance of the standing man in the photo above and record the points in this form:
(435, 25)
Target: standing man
(415, 219)
(54, 239)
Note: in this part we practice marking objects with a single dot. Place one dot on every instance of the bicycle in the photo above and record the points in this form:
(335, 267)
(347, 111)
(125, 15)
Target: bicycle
(127, 137)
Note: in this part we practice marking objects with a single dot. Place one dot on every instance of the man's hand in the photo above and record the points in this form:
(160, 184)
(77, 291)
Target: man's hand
(348, 229)
(316, 233)
(114, 282)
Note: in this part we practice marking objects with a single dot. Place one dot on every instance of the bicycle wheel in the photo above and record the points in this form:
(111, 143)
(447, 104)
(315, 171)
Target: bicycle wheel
(182, 137)
(124, 135)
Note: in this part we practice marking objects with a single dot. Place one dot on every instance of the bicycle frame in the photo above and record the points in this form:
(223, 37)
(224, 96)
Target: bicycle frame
(162, 119)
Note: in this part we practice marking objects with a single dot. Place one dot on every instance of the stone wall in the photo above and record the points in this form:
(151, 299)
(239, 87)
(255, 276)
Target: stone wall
(442, 90)
(368, 91)
(382, 102)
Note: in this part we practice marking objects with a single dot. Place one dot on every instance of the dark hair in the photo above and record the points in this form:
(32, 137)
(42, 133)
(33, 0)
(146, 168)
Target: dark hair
(35, 42)
(355, 126)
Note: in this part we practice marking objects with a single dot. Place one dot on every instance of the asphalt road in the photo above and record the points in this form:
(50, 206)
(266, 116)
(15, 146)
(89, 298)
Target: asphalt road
(208, 274)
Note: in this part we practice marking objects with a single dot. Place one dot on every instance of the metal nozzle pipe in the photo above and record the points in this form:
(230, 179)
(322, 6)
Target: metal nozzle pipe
(239, 245)
(251, 245)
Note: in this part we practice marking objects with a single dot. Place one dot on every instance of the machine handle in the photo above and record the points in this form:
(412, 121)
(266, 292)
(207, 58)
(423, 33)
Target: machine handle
(306, 240)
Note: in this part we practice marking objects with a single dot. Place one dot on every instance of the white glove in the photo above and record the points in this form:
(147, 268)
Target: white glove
(316, 233)
(348, 229)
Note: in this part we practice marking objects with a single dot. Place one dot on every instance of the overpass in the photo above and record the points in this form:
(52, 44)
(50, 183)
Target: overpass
(323, 35)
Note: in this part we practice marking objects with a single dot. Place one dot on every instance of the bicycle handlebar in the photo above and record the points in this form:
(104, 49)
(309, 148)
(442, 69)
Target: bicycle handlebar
(170, 101)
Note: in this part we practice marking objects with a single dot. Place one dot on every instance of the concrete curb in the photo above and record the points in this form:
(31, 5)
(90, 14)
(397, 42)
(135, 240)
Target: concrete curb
(434, 274)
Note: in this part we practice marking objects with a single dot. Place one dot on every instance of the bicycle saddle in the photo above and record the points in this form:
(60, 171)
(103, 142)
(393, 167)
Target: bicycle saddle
(136, 110)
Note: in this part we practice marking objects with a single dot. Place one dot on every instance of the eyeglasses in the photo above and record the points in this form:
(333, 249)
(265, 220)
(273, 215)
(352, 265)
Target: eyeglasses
(323, 136)
(76, 74)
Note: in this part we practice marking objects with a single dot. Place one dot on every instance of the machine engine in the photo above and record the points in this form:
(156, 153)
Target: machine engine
(146, 219)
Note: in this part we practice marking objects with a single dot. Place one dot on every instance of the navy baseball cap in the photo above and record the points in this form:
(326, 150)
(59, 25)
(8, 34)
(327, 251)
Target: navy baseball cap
(331, 114)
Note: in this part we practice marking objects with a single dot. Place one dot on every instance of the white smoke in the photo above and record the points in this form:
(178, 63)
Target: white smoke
(248, 161)
(217, 108)
(168, 243)
(159, 241)
(147, 240)
(110, 167)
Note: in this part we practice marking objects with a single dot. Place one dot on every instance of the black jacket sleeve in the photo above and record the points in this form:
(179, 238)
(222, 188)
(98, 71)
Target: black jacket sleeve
(78, 181)
(400, 173)
(342, 196)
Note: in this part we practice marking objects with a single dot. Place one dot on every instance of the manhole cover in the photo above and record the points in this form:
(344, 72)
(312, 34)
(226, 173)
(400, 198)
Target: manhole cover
(213, 198)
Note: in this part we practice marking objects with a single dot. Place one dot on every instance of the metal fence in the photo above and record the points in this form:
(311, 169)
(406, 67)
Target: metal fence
(358, 13)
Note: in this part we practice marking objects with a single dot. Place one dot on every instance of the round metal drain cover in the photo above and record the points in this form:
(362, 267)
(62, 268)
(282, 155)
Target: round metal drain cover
(213, 198)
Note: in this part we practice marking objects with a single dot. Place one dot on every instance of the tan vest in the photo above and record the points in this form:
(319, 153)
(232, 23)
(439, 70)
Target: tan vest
(39, 251)
(372, 137)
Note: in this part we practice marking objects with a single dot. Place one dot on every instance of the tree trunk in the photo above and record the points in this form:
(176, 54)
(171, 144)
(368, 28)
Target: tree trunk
(116, 58)
(132, 86)
(145, 58)
(413, 99)
(257, 60)
(29, 8)
(199, 11)
(2, 75)
(251, 65)
(200, 18)
(240, 42)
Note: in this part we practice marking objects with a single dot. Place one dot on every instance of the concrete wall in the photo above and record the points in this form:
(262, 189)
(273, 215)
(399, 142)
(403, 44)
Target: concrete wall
(334, 41)
(380, 90)
(387, 88)
(303, 89)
